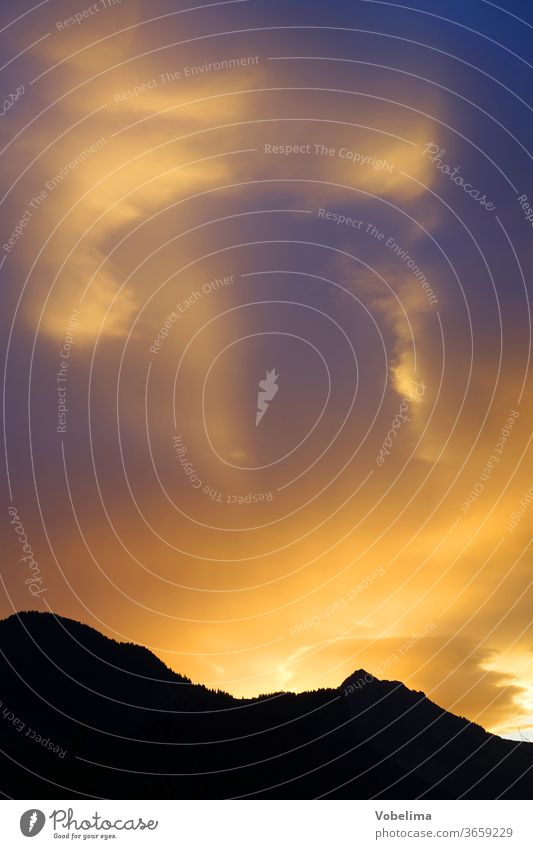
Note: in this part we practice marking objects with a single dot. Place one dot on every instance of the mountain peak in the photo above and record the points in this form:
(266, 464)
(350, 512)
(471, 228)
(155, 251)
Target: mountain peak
(107, 719)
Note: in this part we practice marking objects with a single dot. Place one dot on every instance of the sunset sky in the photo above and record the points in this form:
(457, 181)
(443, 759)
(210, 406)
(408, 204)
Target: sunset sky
(193, 197)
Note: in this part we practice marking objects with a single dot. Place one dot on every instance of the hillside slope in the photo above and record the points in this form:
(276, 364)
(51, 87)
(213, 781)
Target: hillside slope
(83, 715)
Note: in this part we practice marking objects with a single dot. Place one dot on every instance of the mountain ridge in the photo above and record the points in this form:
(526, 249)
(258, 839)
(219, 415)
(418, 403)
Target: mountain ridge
(132, 727)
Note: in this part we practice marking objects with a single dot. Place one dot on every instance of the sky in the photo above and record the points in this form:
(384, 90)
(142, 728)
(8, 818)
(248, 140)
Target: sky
(319, 208)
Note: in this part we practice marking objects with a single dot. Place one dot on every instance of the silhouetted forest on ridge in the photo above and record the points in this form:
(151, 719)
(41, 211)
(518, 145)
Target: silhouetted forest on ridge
(85, 716)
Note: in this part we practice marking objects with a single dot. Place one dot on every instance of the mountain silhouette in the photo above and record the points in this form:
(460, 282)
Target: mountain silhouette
(85, 716)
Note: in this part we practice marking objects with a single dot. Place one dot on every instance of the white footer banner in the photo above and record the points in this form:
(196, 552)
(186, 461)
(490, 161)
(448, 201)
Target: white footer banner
(266, 824)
